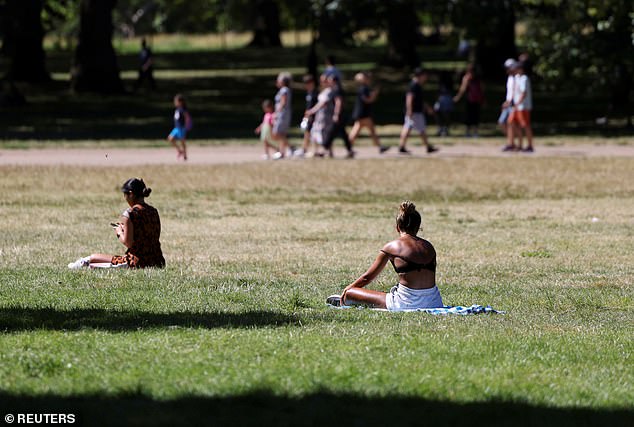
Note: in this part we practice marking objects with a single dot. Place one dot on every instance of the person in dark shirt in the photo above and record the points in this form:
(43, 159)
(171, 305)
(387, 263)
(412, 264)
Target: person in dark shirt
(182, 123)
(338, 119)
(146, 67)
(415, 109)
(307, 122)
(362, 113)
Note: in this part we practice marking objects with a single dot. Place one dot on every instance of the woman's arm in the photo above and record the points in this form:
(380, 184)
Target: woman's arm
(125, 232)
(371, 274)
(281, 104)
(338, 104)
(409, 98)
(315, 108)
(463, 88)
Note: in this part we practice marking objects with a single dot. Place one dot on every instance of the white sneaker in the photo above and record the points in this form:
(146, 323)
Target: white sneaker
(80, 263)
(299, 152)
(278, 156)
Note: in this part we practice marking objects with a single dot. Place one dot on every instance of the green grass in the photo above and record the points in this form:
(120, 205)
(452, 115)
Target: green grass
(236, 324)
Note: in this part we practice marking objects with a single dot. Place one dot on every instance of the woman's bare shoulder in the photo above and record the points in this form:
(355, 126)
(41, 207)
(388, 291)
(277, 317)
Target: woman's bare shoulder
(393, 247)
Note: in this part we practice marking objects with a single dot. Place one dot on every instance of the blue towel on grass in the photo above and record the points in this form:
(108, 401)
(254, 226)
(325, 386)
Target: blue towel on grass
(458, 309)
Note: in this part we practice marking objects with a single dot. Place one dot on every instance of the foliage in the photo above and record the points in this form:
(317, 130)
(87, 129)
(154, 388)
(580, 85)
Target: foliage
(582, 43)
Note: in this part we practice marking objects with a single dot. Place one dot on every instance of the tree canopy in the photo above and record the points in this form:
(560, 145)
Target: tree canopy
(582, 43)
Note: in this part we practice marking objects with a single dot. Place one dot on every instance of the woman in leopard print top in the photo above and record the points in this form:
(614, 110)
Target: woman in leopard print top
(139, 230)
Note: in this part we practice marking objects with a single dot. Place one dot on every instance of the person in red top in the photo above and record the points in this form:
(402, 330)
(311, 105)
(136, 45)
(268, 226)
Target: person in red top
(139, 230)
(473, 89)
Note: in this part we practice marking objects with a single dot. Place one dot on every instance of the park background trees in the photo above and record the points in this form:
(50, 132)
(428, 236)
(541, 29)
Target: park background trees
(588, 44)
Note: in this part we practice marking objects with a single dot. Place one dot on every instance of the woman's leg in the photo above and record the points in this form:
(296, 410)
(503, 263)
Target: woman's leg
(100, 258)
(354, 132)
(172, 141)
(360, 296)
(282, 138)
(184, 148)
(373, 134)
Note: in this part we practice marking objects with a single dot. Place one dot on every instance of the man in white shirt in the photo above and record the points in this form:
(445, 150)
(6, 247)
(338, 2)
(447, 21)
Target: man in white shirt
(507, 105)
(520, 118)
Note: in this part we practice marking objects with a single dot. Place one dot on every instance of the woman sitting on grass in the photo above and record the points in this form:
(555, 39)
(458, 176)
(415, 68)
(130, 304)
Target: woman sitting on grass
(413, 259)
(139, 231)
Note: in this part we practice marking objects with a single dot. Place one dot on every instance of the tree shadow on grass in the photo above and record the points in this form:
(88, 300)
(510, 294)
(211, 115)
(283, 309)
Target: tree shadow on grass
(264, 408)
(25, 319)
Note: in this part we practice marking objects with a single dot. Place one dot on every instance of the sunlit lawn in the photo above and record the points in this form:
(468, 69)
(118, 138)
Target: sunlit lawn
(236, 324)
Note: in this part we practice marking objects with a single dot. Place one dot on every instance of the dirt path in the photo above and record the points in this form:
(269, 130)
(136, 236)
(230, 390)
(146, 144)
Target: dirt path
(210, 155)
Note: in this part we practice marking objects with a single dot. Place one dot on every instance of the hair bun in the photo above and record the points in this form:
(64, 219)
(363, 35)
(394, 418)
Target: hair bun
(407, 207)
(146, 192)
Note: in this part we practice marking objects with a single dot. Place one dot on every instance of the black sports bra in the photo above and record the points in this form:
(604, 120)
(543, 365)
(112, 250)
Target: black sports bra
(411, 266)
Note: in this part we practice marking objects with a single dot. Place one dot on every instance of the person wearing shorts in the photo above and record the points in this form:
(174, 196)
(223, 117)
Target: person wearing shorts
(520, 118)
(413, 259)
(507, 105)
(414, 112)
(362, 113)
(182, 120)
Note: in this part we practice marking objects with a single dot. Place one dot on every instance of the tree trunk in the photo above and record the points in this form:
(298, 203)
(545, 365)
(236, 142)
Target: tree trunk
(497, 43)
(266, 31)
(403, 34)
(23, 38)
(331, 28)
(95, 68)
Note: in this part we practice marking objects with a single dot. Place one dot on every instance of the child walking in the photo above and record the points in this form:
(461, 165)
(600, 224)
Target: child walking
(264, 130)
(182, 123)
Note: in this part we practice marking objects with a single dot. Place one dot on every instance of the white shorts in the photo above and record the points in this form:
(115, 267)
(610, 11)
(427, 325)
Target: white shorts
(417, 122)
(401, 298)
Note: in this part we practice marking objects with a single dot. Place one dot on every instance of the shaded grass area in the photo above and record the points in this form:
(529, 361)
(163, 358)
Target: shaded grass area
(225, 90)
(236, 324)
(267, 408)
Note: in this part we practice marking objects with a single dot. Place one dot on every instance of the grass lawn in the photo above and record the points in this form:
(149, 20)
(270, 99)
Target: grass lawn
(235, 329)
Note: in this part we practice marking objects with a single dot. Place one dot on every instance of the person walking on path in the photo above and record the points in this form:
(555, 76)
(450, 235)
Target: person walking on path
(472, 88)
(282, 119)
(322, 112)
(415, 107)
(264, 129)
(444, 104)
(182, 123)
(507, 105)
(520, 118)
(362, 113)
(307, 122)
(338, 128)
(146, 67)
